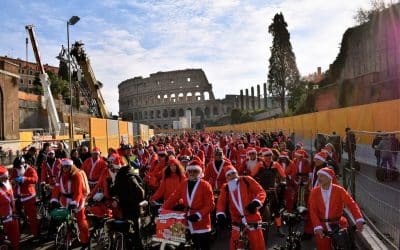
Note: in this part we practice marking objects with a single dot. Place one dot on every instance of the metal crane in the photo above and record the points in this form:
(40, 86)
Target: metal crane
(82, 59)
(47, 99)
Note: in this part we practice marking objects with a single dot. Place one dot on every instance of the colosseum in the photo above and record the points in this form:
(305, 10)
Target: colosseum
(163, 97)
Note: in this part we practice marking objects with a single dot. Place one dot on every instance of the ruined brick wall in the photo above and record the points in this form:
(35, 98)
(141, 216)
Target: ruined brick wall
(9, 113)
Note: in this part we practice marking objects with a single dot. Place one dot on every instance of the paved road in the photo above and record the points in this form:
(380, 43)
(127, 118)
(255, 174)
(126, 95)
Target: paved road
(221, 243)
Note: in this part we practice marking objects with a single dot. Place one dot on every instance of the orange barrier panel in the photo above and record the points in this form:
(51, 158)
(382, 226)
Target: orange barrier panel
(384, 116)
(98, 133)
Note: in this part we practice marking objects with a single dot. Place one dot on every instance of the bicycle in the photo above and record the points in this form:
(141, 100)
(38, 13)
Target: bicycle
(120, 233)
(98, 233)
(293, 239)
(43, 206)
(243, 242)
(67, 232)
(341, 238)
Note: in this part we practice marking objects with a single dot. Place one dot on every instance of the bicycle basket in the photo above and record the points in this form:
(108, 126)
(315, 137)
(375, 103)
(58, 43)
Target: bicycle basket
(59, 214)
(342, 239)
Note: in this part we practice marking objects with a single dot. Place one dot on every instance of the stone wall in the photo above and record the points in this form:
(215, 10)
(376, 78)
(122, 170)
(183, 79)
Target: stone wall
(9, 114)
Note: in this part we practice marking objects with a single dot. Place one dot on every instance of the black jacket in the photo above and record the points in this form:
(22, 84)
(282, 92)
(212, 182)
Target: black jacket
(129, 192)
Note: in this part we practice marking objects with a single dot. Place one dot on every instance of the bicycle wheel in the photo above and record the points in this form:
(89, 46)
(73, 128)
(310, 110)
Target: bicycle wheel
(43, 217)
(63, 237)
(119, 242)
(266, 217)
(100, 239)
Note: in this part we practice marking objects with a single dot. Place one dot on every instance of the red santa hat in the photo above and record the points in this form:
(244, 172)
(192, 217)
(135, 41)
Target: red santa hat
(3, 172)
(96, 150)
(251, 150)
(300, 153)
(161, 151)
(327, 172)
(116, 162)
(174, 161)
(275, 144)
(230, 169)
(321, 156)
(300, 144)
(266, 151)
(67, 162)
(195, 165)
(284, 154)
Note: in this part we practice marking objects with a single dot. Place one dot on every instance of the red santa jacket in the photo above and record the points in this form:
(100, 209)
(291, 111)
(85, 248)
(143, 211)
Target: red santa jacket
(168, 186)
(155, 173)
(200, 154)
(332, 212)
(27, 189)
(230, 152)
(70, 189)
(208, 150)
(186, 151)
(248, 190)
(275, 165)
(291, 173)
(93, 170)
(103, 185)
(201, 202)
(248, 165)
(143, 156)
(215, 177)
(6, 202)
(49, 174)
(241, 156)
(303, 168)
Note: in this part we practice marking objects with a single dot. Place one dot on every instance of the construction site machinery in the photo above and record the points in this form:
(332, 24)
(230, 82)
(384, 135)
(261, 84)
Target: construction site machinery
(47, 99)
(94, 93)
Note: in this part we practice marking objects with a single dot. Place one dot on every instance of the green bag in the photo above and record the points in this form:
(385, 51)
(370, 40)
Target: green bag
(59, 214)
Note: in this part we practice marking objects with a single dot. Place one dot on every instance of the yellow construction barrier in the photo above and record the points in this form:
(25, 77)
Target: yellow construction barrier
(383, 116)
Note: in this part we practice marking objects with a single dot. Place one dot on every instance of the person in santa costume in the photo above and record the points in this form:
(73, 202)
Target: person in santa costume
(270, 175)
(7, 209)
(291, 175)
(198, 199)
(332, 159)
(241, 155)
(101, 195)
(94, 167)
(301, 174)
(69, 193)
(320, 161)
(327, 203)
(208, 148)
(173, 177)
(50, 169)
(244, 196)
(141, 154)
(24, 179)
(250, 162)
(230, 152)
(198, 152)
(215, 171)
(154, 174)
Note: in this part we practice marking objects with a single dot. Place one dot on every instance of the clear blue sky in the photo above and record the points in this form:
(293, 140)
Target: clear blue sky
(227, 38)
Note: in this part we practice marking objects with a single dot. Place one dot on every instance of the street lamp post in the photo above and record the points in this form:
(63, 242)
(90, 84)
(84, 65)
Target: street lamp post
(73, 20)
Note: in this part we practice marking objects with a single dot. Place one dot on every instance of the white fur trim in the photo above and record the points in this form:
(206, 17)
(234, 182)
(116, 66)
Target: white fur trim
(318, 227)
(221, 213)
(323, 172)
(360, 220)
(67, 162)
(317, 157)
(200, 217)
(230, 171)
(252, 151)
(194, 167)
(54, 199)
(4, 175)
(259, 202)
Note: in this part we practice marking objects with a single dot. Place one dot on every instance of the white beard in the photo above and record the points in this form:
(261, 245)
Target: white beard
(232, 184)
(141, 151)
(112, 174)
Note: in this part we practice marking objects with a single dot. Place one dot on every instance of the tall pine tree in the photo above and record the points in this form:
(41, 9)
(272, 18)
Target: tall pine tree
(283, 75)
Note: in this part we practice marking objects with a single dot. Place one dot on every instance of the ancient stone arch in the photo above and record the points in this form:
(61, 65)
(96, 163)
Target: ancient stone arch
(207, 111)
(181, 112)
(172, 113)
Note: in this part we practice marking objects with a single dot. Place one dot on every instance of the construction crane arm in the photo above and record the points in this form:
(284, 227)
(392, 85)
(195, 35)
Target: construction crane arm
(48, 101)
